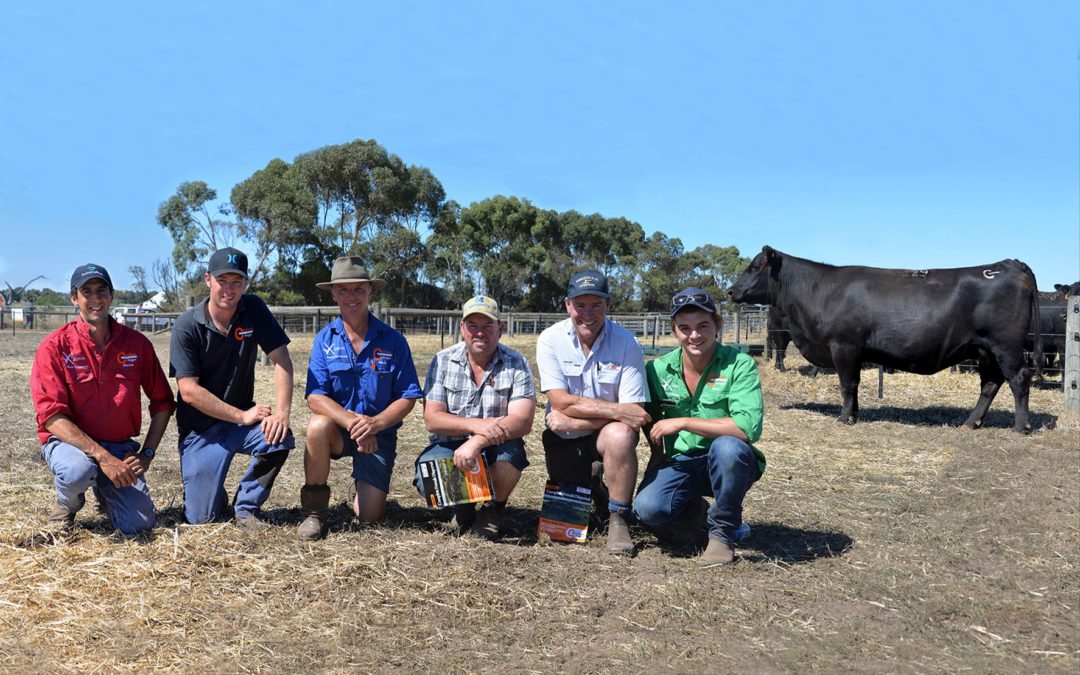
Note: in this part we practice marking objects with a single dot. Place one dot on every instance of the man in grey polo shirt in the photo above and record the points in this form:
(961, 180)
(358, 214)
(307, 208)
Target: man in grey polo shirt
(593, 372)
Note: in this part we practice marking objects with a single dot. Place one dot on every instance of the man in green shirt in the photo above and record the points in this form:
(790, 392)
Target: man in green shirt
(707, 406)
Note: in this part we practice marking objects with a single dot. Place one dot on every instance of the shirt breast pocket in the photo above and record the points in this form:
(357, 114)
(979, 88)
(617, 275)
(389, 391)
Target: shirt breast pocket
(457, 397)
(127, 385)
(342, 375)
(714, 401)
(78, 378)
(378, 385)
(608, 381)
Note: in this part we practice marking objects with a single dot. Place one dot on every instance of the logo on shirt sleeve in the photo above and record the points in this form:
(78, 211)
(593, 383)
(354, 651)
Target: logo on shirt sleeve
(242, 334)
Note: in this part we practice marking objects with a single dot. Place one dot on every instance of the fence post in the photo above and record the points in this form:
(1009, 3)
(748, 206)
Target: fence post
(738, 320)
(880, 381)
(1070, 376)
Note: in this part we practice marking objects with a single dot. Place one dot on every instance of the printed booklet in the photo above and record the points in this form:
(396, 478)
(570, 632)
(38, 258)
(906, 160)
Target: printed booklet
(446, 485)
(564, 515)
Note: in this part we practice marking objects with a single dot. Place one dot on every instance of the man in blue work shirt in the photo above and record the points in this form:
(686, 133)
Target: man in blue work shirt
(361, 382)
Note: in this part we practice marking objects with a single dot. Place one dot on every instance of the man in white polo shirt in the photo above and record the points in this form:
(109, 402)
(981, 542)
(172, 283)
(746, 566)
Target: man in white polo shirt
(593, 372)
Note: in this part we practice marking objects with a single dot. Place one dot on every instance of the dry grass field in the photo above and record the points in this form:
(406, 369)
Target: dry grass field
(900, 544)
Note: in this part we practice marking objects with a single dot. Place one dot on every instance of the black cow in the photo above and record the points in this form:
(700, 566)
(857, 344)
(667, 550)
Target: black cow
(777, 338)
(920, 321)
(1051, 325)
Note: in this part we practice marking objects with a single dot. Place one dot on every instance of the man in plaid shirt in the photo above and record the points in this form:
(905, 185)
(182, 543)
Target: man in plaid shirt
(479, 398)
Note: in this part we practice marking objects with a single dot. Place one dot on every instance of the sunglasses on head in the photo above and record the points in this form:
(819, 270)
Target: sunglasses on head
(696, 298)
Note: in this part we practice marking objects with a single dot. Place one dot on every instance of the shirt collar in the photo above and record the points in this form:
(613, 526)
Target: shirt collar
(202, 315)
(460, 355)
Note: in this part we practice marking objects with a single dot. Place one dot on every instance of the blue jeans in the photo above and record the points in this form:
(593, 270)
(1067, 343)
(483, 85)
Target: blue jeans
(725, 472)
(512, 451)
(130, 509)
(204, 462)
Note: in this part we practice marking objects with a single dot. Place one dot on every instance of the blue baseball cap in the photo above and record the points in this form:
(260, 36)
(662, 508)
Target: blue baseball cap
(692, 297)
(84, 273)
(588, 282)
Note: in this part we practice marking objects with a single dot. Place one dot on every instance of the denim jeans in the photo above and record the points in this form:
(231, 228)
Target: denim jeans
(725, 472)
(204, 462)
(130, 509)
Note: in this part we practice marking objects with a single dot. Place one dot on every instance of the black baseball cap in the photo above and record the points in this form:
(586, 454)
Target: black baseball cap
(588, 282)
(84, 273)
(692, 297)
(228, 260)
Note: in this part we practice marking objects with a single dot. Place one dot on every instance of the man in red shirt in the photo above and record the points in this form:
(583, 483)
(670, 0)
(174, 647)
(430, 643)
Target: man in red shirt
(85, 385)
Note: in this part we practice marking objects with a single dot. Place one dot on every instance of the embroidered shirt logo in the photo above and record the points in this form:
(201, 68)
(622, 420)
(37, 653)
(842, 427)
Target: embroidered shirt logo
(380, 360)
(127, 359)
(75, 361)
(242, 333)
(716, 380)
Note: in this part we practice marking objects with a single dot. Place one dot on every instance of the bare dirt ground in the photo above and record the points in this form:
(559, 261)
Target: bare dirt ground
(900, 544)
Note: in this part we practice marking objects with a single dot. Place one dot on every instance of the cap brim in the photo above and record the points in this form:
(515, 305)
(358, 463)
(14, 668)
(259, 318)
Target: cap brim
(218, 273)
(493, 317)
(578, 294)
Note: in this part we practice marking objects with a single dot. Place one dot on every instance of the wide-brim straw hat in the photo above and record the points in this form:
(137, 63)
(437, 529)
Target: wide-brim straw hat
(350, 270)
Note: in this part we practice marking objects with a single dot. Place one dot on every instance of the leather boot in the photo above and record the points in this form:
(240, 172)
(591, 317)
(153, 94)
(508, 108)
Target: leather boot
(61, 520)
(718, 552)
(314, 503)
(618, 536)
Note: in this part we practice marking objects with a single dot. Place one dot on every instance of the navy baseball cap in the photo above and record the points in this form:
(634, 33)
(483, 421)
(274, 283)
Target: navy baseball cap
(692, 297)
(228, 261)
(587, 282)
(84, 273)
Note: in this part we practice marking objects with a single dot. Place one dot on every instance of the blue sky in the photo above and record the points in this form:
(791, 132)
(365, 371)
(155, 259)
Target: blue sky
(894, 134)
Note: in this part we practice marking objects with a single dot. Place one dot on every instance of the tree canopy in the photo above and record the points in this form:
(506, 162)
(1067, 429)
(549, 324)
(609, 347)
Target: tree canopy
(359, 199)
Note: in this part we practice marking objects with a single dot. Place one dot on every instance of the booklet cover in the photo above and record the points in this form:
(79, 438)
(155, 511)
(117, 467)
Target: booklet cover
(565, 513)
(446, 485)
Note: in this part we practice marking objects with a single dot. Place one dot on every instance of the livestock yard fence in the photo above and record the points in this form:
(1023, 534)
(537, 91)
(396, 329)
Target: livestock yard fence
(746, 327)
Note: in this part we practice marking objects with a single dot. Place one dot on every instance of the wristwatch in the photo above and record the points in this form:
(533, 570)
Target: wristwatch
(147, 453)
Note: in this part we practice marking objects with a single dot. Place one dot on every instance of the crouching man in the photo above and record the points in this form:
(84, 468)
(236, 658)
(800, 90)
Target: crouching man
(361, 383)
(85, 385)
(212, 356)
(707, 411)
(480, 399)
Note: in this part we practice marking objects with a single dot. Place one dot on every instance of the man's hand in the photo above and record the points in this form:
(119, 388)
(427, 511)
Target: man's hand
(254, 414)
(368, 446)
(363, 426)
(466, 454)
(665, 427)
(274, 427)
(556, 421)
(137, 463)
(494, 429)
(634, 416)
(117, 471)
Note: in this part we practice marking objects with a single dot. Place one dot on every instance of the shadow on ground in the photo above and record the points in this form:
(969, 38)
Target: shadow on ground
(933, 416)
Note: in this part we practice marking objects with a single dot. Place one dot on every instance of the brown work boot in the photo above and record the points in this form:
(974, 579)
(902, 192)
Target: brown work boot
(488, 521)
(464, 517)
(251, 523)
(314, 504)
(718, 552)
(60, 519)
(690, 528)
(618, 535)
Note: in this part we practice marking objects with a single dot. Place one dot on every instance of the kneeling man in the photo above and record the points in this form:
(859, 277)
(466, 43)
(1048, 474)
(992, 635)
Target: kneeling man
(361, 382)
(480, 399)
(707, 407)
(592, 371)
(85, 384)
